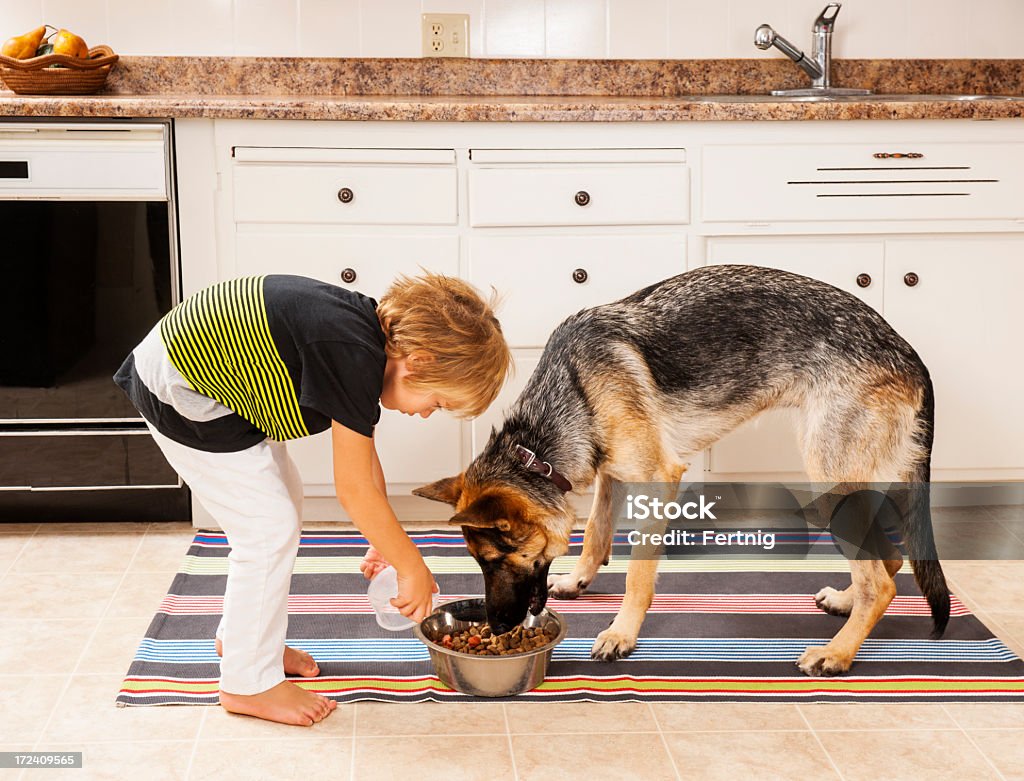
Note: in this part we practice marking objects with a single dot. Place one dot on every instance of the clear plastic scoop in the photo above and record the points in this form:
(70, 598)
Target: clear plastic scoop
(383, 588)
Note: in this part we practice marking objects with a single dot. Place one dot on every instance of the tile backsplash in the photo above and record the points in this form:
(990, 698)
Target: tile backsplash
(640, 29)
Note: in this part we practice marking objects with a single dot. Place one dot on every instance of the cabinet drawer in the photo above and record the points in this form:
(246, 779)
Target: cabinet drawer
(585, 193)
(346, 188)
(374, 260)
(544, 279)
(809, 182)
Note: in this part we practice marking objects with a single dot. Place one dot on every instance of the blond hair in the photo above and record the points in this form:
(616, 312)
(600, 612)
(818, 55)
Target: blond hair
(446, 319)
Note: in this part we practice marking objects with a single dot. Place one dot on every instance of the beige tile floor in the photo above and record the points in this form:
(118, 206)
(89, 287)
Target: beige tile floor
(75, 599)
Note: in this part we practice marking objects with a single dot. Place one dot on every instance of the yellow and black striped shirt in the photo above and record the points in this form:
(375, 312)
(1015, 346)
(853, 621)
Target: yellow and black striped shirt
(286, 354)
(219, 339)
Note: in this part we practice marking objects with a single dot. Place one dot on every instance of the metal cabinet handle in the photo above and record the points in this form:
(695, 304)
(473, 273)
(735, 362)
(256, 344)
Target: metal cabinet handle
(582, 198)
(910, 279)
(345, 195)
(863, 280)
(579, 276)
(897, 155)
(348, 275)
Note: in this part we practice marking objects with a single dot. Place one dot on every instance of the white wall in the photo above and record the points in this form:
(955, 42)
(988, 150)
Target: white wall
(528, 28)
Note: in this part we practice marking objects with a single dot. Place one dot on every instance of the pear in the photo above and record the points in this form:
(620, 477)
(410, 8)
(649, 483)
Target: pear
(21, 47)
(66, 42)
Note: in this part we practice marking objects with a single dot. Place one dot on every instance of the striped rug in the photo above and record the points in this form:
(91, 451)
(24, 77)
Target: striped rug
(719, 630)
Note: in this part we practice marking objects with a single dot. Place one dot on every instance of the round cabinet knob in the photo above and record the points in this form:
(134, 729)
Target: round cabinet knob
(863, 280)
(582, 198)
(345, 195)
(911, 279)
(348, 275)
(580, 275)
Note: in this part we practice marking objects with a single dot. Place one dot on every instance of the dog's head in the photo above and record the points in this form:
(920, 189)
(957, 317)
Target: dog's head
(513, 536)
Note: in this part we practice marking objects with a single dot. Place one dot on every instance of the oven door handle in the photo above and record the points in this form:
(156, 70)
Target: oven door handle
(70, 429)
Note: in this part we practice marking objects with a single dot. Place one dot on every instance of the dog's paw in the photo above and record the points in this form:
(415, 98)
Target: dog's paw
(566, 586)
(820, 661)
(611, 645)
(835, 603)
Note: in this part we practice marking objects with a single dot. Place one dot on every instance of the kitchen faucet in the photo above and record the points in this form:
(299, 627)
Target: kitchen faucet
(819, 65)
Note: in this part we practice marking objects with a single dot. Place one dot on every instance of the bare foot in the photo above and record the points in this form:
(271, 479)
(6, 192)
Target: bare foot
(285, 703)
(296, 662)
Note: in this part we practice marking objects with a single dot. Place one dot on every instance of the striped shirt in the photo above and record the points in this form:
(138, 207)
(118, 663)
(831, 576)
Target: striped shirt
(219, 339)
(281, 355)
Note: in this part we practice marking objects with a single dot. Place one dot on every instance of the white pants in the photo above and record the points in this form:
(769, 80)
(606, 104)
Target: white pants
(256, 497)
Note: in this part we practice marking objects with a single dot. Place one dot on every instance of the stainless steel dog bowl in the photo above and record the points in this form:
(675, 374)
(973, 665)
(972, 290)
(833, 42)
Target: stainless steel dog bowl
(486, 676)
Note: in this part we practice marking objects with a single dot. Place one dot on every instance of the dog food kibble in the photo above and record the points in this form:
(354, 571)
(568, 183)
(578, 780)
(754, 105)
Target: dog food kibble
(480, 641)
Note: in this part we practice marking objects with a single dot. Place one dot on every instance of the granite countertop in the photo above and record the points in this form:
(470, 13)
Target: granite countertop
(530, 90)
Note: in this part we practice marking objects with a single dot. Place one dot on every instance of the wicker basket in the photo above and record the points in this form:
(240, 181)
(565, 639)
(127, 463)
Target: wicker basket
(37, 76)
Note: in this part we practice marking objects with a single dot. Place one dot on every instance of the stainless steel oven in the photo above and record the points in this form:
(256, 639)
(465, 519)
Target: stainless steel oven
(90, 263)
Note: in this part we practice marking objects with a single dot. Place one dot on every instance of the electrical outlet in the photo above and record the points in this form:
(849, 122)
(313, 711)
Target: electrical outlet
(445, 35)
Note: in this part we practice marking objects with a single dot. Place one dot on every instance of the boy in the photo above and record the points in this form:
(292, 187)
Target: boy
(237, 369)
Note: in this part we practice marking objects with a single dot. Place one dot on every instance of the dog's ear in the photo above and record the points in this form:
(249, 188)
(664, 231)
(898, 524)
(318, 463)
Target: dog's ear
(470, 518)
(447, 490)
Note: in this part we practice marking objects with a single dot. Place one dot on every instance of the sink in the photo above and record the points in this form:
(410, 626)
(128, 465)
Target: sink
(958, 97)
(882, 98)
(912, 98)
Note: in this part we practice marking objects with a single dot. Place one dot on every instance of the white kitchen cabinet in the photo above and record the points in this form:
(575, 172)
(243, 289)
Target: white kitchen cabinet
(884, 180)
(374, 261)
(579, 194)
(545, 278)
(496, 203)
(851, 263)
(768, 443)
(953, 299)
(610, 222)
(964, 317)
(525, 363)
(345, 186)
(412, 451)
(318, 212)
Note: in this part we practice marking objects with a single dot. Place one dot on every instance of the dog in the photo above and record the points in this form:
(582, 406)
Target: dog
(629, 391)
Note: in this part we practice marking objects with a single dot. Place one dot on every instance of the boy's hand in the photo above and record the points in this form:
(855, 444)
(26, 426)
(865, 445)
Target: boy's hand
(415, 590)
(372, 563)
(361, 493)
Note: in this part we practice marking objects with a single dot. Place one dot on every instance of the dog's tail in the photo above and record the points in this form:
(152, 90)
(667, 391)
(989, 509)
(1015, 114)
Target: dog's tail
(917, 525)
